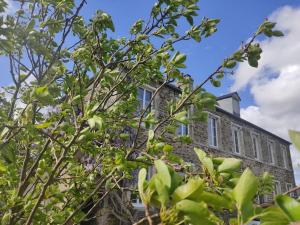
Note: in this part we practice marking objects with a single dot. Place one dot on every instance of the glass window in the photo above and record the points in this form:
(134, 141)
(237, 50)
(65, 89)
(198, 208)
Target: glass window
(236, 134)
(285, 156)
(256, 146)
(277, 188)
(289, 186)
(212, 131)
(271, 152)
(182, 130)
(144, 98)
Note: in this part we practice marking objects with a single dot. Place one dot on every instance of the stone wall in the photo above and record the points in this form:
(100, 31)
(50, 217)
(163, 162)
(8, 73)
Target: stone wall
(199, 134)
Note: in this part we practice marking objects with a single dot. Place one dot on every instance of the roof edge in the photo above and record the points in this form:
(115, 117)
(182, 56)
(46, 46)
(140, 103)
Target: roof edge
(253, 125)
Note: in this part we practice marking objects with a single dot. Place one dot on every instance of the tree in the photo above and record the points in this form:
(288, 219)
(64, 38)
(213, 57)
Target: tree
(74, 96)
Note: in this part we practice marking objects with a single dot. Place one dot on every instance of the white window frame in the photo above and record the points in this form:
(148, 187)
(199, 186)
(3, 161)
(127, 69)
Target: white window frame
(235, 127)
(277, 191)
(288, 187)
(181, 130)
(285, 157)
(145, 89)
(210, 131)
(258, 145)
(271, 151)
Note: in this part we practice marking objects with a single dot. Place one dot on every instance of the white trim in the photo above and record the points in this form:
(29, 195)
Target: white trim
(276, 182)
(285, 157)
(148, 87)
(239, 130)
(271, 151)
(258, 145)
(216, 118)
(289, 188)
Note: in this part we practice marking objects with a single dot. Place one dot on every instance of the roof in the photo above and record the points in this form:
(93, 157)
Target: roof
(251, 124)
(230, 95)
(174, 87)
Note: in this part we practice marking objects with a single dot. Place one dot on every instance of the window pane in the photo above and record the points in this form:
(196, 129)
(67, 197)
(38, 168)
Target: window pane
(141, 94)
(212, 131)
(236, 139)
(255, 147)
(214, 127)
(148, 96)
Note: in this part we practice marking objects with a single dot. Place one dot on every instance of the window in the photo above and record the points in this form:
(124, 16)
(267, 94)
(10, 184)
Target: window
(285, 156)
(271, 150)
(237, 138)
(144, 97)
(182, 130)
(212, 131)
(288, 187)
(256, 146)
(277, 188)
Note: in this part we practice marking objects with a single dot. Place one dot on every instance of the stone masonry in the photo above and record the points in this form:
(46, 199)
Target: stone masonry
(198, 131)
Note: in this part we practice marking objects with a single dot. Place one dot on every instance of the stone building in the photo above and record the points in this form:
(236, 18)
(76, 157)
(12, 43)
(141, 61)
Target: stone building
(224, 134)
(227, 134)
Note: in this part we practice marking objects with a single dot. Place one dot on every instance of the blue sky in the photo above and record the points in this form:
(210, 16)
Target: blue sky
(239, 20)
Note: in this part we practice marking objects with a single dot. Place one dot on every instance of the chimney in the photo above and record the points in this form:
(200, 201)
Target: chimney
(230, 103)
(186, 83)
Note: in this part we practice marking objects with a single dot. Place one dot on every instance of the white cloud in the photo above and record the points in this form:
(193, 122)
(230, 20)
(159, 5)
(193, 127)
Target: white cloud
(275, 84)
(10, 8)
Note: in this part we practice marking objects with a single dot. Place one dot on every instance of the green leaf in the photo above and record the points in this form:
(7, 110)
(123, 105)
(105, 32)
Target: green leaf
(167, 148)
(206, 162)
(141, 181)
(91, 122)
(229, 164)
(4, 131)
(277, 33)
(181, 117)
(178, 58)
(295, 138)
(289, 206)
(245, 189)
(190, 20)
(30, 25)
(253, 62)
(41, 91)
(162, 191)
(273, 216)
(43, 125)
(193, 186)
(196, 213)
(150, 135)
(215, 83)
(95, 121)
(215, 200)
(2, 167)
(163, 172)
(230, 64)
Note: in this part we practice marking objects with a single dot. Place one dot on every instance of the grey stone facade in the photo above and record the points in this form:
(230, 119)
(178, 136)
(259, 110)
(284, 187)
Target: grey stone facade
(198, 131)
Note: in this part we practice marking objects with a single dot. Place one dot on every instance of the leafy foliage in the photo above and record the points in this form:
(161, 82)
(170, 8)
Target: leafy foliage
(206, 197)
(71, 136)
